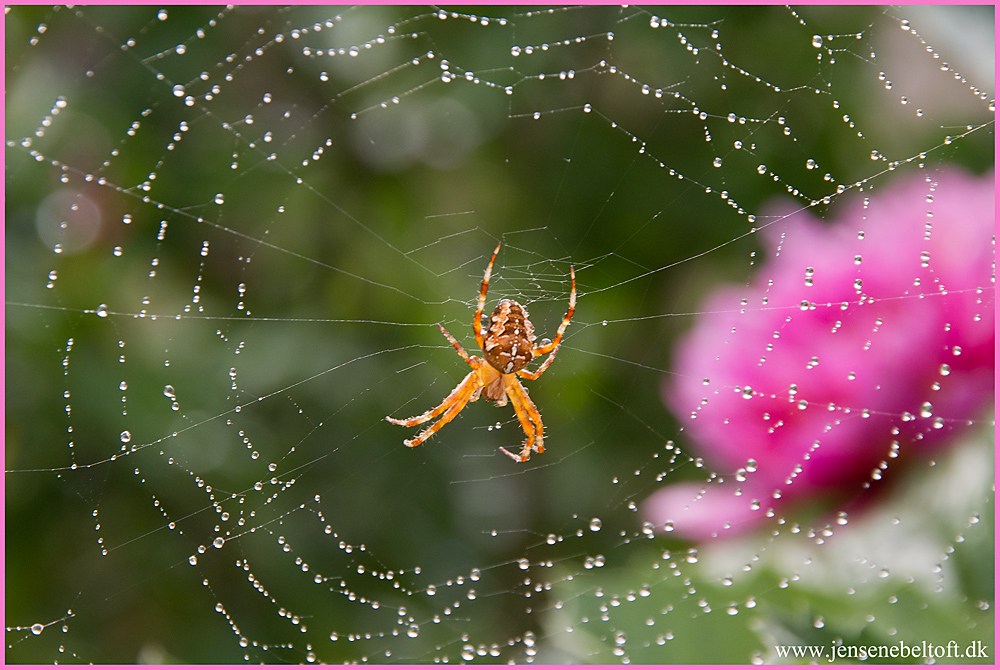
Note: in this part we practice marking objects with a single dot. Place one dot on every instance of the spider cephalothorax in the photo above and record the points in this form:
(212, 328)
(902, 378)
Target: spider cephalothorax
(508, 345)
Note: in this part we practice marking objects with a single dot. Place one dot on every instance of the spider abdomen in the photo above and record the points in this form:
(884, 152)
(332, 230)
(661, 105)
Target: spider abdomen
(509, 338)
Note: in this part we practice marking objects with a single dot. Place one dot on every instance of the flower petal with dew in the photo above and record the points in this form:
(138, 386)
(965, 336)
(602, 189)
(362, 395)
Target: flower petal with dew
(863, 342)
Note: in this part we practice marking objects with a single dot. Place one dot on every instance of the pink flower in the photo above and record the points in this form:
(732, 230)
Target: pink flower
(864, 341)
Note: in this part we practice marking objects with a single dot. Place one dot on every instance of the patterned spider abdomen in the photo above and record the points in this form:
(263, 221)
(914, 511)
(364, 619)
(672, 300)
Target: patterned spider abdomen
(510, 338)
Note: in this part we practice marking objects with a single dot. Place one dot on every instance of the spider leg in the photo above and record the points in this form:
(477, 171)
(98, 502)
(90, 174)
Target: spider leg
(528, 374)
(460, 397)
(552, 347)
(466, 387)
(458, 347)
(477, 320)
(531, 422)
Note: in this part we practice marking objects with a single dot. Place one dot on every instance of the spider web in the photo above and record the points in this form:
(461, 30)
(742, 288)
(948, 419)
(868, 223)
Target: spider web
(230, 232)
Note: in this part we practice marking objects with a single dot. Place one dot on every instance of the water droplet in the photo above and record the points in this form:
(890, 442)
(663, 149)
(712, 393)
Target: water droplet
(595, 524)
(102, 310)
(126, 436)
(36, 629)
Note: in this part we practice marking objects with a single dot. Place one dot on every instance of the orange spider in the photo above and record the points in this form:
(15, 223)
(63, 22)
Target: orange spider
(508, 346)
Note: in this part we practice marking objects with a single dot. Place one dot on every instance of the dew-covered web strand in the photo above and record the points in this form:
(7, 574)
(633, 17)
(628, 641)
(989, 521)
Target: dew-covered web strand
(102, 312)
(179, 91)
(201, 220)
(234, 410)
(826, 200)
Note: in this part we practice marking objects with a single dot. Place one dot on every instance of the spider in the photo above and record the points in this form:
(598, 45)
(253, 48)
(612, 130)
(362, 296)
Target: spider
(508, 345)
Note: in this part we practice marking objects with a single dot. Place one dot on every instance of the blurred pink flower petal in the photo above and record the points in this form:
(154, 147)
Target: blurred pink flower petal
(863, 341)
